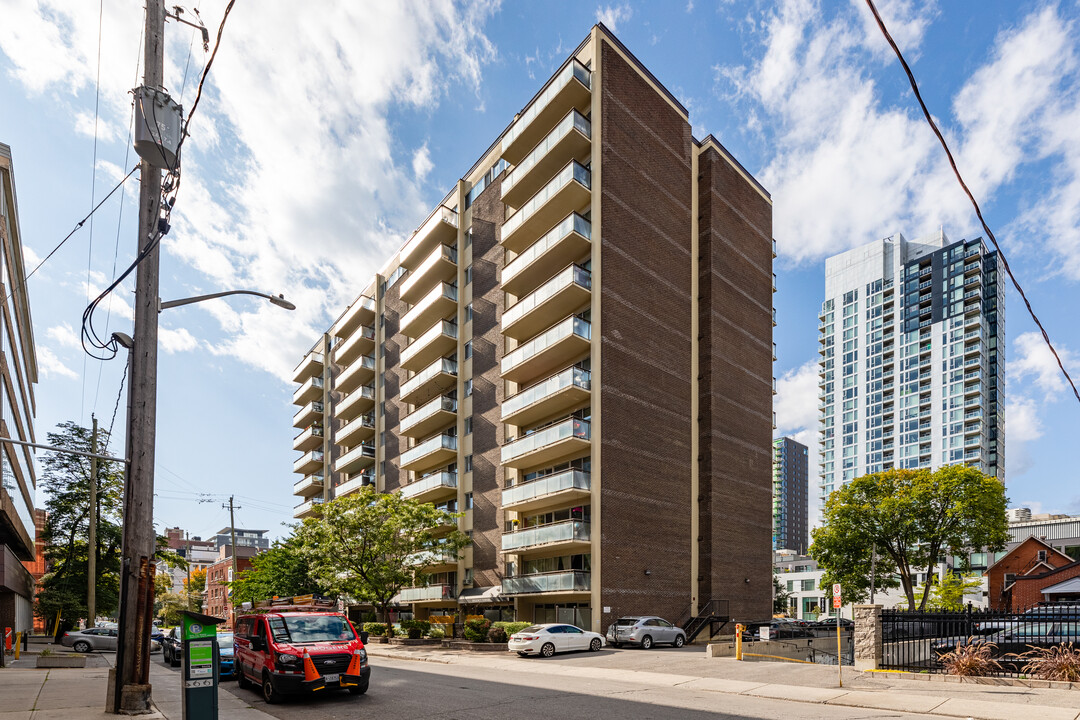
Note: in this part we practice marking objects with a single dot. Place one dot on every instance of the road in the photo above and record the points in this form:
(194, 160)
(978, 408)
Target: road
(404, 690)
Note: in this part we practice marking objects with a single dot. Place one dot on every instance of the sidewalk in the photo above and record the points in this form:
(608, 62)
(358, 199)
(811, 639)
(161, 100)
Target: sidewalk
(795, 682)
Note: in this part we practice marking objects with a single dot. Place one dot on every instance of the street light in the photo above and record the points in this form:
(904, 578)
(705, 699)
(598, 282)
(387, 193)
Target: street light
(278, 299)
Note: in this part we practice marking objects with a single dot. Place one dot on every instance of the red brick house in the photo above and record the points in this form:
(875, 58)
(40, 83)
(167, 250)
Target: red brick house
(217, 591)
(1015, 582)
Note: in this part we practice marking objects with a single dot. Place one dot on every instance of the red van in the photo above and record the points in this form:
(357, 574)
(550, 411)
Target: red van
(270, 647)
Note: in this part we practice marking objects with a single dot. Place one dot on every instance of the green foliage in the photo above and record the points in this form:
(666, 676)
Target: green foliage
(913, 518)
(781, 596)
(511, 627)
(65, 482)
(197, 584)
(282, 570)
(375, 628)
(476, 630)
(436, 633)
(496, 634)
(364, 544)
(947, 594)
(423, 626)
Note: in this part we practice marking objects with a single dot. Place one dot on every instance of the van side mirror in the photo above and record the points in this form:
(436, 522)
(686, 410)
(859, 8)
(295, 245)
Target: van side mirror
(258, 643)
(364, 636)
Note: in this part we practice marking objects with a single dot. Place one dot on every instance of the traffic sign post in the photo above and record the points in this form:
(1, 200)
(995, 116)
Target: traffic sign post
(200, 673)
(839, 655)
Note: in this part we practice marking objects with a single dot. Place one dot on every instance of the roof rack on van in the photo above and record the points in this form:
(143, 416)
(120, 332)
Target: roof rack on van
(295, 603)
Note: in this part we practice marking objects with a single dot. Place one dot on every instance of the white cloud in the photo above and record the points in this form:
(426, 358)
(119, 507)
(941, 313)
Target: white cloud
(1034, 360)
(796, 401)
(1022, 426)
(1032, 370)
(174, 341)
(907, 22)
(64, 335)
(51, 366)
(421, 163)
(612, 15)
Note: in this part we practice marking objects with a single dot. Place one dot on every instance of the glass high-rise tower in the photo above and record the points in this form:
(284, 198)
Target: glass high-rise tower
(911, 368)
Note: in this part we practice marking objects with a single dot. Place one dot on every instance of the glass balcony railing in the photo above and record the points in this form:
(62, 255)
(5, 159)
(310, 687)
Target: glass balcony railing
(424, 594)
(428, 558)
(573, 275)
(364, 307)
(439, 404)
(444, 295)
(309, 482)
(364, 336)
(439, 442)
(559, 581)
(306, 506)
(443, 219)
(358, 453)
(439, 367)
(570, 377)
(439, 330)
(537, 439)
(573, 223)
(573, 121)
(546, 485)
(308, 461)
(434, 481)
(443, 257)
(526, 351)
(358, 369)
(568, 531)
(311, 364)
(350, 404)
(566, 76)
(574, 172)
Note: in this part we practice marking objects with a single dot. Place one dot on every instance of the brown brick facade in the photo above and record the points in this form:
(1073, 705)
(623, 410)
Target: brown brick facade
(1022, 560)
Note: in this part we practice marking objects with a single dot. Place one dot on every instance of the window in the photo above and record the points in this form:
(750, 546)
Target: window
(468, 237)
(468, 312)
(468, 275)
(468, 350)
(382, 437)
(468, 463)
(468, 501)
(382, 467)
(468, 387)
(468, 426)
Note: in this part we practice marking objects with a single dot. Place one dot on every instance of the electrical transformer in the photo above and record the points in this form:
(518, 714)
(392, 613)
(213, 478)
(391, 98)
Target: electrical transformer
(157, 127)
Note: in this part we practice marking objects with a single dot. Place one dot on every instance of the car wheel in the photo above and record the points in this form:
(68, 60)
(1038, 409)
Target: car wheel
(548, 650)
(81, 647)
(679, 641)
(646, 642)
(269, 692)
(242, 682)
(175, 658)
(595, 645)
(165, 656)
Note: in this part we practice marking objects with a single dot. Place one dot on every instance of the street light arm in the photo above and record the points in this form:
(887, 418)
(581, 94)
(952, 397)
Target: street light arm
(278, 300)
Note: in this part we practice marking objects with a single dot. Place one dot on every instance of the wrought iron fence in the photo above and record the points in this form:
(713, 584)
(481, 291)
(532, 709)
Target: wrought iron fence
(916, 641)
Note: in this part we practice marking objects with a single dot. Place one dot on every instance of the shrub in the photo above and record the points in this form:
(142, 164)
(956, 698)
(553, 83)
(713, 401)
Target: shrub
(476, 630)
(368, 617)
(511, 627)
(972, 659)
(436, 633)
(497, 635)
(375, 628)
(414, 633)
(1060, 662)
(422, 625)
(390, 632)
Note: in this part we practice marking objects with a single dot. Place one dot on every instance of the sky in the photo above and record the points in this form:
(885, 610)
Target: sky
(323, 138)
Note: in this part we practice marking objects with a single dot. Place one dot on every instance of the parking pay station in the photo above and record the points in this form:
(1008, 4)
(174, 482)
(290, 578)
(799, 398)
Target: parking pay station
(200, 668)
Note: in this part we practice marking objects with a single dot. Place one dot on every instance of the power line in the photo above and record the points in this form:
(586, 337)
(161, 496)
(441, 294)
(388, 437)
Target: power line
(978, 211)
(93, 189)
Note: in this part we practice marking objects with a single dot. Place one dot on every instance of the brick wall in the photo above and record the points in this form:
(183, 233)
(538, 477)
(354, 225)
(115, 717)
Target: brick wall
(735, 355)
(645, 348)
(1020, 560)
(1027, 592)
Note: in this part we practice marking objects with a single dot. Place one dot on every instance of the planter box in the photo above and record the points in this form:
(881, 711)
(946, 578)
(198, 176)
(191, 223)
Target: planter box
(61, 661)
(476, 647)
(417, 641)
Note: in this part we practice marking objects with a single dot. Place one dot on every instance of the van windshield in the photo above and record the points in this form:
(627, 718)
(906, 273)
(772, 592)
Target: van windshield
(313, 629)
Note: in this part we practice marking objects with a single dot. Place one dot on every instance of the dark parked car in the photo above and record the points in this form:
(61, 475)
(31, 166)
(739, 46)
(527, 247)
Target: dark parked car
(1015, 641)
(778, 630)
(170, 647)
(830, 624)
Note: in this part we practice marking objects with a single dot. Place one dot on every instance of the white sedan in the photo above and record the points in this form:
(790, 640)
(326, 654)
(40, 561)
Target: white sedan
(551, 638)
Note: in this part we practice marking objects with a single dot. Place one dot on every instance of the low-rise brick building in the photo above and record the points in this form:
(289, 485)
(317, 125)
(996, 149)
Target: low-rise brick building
(1016, 580)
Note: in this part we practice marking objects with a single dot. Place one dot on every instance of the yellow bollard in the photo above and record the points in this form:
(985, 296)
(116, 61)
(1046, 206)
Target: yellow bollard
(738, 641)
(18, 644)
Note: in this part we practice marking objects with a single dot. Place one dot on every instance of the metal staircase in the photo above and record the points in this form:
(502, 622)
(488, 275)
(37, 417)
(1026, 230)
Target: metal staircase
(713, 615)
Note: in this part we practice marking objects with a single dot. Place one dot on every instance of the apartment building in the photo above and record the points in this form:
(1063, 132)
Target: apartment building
(573, 350)
(18, 367)
(791, 489)
(911, 368)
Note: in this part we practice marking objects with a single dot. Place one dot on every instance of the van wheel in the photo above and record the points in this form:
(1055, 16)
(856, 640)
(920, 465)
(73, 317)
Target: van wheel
(242, 681)
(269, 692)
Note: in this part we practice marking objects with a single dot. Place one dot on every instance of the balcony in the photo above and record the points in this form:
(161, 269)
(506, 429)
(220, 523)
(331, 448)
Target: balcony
(439, 304)
(431, 453)
(304, 509)
(557, 347)
(565, 243)
(358, 401)
(438, 560)
(310, 366)
(429, 418)
(354, 483)
(569, 140)
(558, 297)
(361, 342)
(355, 431)
(360, 372)
(312, 389)
(308, 486)
(439, 340)
(565, 193)
(431, 593)
(556, 395)
(439, 229)
(568, 89)
(309, 438)
(435, 379)
(360, 457)
(361, 312)
(432, 488)
(308, 415)
(563, 581)
(309, 462)
(568, 535)
(561, 487)
(440, 266)
(547, 445)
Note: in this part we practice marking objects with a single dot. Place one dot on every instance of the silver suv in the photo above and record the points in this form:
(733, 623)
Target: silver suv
(644, 630)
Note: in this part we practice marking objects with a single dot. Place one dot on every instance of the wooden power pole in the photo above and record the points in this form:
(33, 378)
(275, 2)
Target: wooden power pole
(91, 545)
(232, 531)
(132, 688)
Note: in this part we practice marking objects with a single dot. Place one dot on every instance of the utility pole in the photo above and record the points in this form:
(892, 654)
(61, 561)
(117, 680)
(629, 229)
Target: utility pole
(91, 546)
(232, 531)
(132, 688)
(187, 556)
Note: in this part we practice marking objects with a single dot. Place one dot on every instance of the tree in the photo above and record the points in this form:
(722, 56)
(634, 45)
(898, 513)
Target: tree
(197, 585)
(781, 597)
(366, 545)
(912, 518)
(282, 570)
(948, 593)
(65, 481)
